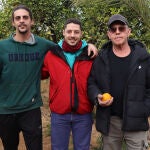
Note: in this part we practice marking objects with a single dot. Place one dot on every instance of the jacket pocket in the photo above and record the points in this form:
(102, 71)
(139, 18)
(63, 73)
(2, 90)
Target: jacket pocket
(136, 93)
(135, 101)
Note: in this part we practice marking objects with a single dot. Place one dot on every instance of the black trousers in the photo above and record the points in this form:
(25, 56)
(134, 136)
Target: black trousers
(28, 122)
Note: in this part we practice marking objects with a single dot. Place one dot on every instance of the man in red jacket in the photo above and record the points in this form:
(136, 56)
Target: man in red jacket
(68, 67)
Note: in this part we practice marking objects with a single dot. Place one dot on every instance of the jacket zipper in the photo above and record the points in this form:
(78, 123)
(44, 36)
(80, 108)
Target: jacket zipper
(124, 98)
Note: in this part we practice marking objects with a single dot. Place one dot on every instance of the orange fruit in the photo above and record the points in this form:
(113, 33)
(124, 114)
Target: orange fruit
(106, 97)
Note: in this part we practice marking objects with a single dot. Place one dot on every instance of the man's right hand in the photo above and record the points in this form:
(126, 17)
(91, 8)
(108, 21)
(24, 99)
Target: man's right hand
(104, 103)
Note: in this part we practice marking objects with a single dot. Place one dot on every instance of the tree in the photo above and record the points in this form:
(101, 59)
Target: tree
(97, 12)
(49, 16)
(142, 17)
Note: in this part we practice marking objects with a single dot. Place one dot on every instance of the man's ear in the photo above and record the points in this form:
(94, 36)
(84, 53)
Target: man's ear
(32, 22)
(108, 34)
(129, 31)
(12, 23)
(81, 34)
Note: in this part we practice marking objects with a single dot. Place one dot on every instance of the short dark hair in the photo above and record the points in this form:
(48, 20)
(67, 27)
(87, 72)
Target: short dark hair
(73, 20)
(22, 7)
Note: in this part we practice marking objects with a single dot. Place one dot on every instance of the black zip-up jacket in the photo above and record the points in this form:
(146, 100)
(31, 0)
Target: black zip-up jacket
(136, 102)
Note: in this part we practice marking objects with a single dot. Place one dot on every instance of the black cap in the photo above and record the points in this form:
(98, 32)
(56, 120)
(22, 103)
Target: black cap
(117, 17)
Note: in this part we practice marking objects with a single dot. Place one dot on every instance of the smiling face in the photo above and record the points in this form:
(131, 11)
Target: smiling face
(72, 34)
(22, 21)
(118, 33)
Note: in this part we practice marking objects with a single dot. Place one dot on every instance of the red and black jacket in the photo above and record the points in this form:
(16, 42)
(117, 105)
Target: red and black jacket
(68, 87)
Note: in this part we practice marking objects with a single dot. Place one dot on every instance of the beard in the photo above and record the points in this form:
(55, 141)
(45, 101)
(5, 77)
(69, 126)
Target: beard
(23, 32)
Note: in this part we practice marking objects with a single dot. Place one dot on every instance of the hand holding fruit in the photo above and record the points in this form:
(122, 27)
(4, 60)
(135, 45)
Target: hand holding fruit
(105, 99)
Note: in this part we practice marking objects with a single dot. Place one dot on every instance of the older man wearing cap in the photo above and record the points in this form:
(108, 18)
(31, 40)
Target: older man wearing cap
(121, 69)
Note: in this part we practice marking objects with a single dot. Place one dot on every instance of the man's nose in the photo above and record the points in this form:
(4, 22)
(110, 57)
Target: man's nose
(21, 19)
(72, 34)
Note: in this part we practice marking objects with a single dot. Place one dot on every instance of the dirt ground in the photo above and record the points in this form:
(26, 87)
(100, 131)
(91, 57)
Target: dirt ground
(46, 123)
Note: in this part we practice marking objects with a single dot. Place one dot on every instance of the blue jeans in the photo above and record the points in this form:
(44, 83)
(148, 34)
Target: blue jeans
(79, 125)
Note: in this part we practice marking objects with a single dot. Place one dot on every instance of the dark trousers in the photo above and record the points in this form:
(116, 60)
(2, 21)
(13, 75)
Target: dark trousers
(28, 122)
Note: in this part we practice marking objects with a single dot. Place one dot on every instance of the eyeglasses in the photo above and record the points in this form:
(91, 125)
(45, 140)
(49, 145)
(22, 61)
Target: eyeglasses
(120, 29)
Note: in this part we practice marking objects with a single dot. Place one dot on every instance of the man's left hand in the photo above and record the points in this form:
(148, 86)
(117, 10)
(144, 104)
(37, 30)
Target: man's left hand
(92, 50)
